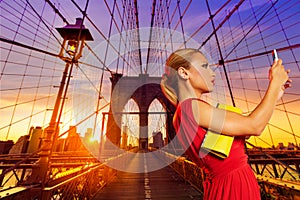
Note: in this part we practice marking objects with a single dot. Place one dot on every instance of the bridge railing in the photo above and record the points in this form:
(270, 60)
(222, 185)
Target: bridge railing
(275, 163)
(15, 168)
(187, 169)
(78, 185)
(74, 178)
(271, 188)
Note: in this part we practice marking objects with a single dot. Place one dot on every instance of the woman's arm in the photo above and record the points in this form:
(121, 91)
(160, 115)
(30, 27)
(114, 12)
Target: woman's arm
(230, 123)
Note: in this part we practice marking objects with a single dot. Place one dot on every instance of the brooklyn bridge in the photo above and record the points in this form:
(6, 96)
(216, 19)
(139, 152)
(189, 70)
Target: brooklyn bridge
(82, 114)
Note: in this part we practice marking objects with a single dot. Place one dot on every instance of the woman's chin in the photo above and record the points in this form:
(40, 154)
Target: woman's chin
(210, 89)
(207, 91)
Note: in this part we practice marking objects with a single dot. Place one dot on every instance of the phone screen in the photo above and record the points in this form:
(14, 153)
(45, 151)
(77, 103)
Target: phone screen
(275, 56)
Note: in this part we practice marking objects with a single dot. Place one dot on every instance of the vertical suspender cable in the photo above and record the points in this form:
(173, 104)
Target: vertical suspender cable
(102, 75)
(221, 62)
(138, 33)
(181, 23)
(150, 37)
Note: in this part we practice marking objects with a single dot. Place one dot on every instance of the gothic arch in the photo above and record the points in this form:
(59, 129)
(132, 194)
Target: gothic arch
(143, 90)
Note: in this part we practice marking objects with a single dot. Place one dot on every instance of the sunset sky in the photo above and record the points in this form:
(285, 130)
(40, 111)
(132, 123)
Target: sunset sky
(29, 78)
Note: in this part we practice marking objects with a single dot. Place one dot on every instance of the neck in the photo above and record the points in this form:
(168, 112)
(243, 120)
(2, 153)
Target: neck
(187, 92)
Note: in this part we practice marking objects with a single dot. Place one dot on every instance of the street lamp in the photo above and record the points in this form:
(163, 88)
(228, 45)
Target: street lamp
(74, 36)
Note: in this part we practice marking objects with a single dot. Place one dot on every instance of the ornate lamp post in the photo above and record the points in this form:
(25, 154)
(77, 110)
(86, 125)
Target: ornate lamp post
(74, 36)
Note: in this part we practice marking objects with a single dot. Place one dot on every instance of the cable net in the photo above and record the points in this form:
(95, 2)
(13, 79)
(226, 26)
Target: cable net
(240, 34)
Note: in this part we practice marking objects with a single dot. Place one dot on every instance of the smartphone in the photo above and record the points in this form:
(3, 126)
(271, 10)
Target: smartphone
(275, 55)
(275, 58)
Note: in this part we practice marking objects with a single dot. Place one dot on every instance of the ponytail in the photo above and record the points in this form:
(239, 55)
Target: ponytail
(169, 90)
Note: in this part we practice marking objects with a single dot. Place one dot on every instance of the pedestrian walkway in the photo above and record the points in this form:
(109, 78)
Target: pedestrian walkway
(163, 184)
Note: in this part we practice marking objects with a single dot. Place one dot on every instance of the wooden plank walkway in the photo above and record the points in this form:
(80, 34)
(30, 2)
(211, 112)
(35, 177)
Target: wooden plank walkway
(160, 182)
(163, 184)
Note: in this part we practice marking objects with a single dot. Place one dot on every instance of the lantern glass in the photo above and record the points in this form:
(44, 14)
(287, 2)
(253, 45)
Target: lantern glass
(71, 48)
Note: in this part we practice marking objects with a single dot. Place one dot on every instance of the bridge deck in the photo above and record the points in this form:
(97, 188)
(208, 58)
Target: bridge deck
(161, 184)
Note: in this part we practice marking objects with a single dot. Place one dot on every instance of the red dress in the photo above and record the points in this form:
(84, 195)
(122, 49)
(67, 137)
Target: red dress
(226, 179)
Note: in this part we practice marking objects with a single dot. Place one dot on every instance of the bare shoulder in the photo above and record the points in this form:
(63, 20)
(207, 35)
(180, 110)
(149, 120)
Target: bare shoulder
(200, 105)
(202, 112)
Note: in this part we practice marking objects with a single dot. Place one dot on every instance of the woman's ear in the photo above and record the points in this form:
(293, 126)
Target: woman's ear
(182, 72)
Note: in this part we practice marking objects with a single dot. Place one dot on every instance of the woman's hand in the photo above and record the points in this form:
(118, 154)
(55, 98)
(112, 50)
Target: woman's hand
(278, 77)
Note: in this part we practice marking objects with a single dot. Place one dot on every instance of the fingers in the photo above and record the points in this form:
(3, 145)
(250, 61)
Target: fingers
(279, 72)
(277, 62)
(288, 84)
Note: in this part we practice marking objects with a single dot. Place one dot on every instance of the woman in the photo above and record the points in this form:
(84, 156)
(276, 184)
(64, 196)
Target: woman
(188, 76)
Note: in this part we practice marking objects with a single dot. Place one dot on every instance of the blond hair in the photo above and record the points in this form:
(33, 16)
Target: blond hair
(169, 82)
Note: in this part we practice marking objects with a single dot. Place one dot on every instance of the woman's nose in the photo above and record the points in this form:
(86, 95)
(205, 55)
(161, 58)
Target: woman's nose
(212, 72)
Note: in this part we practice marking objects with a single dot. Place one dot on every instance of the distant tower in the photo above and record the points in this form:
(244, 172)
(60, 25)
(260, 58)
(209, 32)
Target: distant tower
(5, 146)
(20, 146)
(124, 137)
(158, 140)
(35, 135)
(88, 134)
(73, 140)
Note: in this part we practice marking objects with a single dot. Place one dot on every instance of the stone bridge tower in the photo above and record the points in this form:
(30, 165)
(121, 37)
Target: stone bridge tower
(143, 89)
